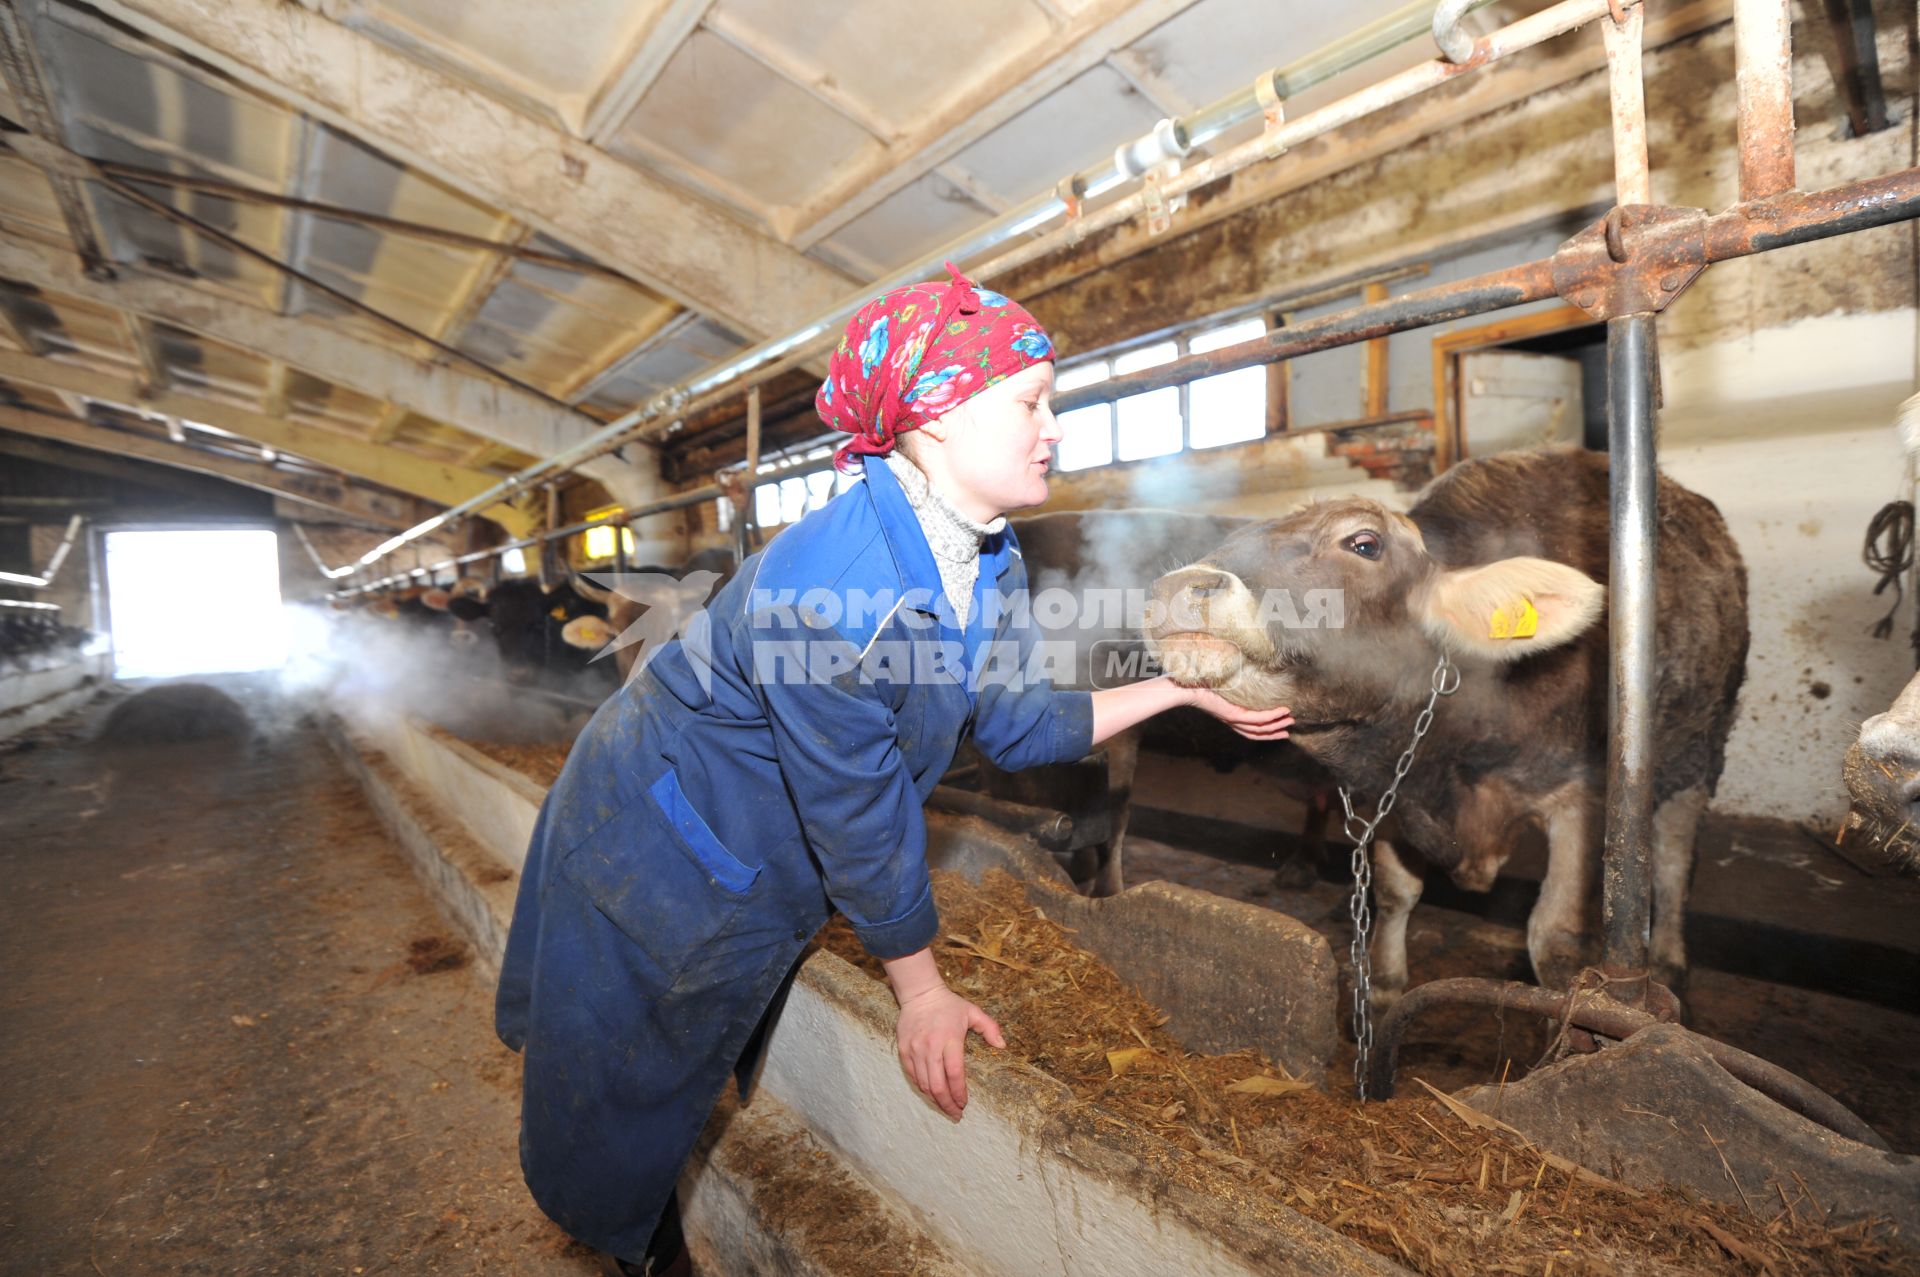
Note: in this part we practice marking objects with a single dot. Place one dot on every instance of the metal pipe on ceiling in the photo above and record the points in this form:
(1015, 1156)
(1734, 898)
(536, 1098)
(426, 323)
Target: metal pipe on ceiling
(779, 354)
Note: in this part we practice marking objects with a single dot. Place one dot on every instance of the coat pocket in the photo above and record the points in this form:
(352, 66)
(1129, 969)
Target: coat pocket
(658, 873)
(708, 850)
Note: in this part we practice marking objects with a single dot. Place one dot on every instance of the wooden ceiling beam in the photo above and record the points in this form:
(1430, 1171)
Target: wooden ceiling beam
(346, 497)
(524, 421)
(693, 252)
(25, 74)
(442, 483)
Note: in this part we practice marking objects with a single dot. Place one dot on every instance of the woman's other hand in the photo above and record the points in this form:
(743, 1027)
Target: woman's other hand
(932, 1030)
(932, 1036)
(1254, 724)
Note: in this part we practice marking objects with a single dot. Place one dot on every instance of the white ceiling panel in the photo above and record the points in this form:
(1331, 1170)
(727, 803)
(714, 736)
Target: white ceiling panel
(1062, 133)
(559, 51)
(903, 60)
(665, 363)
(113, 93)
(907, 225)
(718, 109)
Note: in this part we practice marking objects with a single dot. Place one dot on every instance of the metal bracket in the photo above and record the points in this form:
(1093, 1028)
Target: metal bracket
(1620, 266)
(1160, 209)
(1071, 193)
(1273, 109)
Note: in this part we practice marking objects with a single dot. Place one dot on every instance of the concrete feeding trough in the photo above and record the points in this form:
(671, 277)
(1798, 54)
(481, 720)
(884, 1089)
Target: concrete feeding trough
(29, 698)
(1031, 1181)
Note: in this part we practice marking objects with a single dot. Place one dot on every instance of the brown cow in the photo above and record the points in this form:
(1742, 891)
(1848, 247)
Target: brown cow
(1516, 542)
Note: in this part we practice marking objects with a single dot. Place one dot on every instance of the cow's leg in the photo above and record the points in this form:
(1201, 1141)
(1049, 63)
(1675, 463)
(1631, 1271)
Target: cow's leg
(1123, 759)
(1398, 879)
(1561, 931)
(1302, 869)
(1675, 823)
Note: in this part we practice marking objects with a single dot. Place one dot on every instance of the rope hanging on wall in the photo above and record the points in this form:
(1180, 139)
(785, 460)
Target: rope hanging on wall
(1889, 551)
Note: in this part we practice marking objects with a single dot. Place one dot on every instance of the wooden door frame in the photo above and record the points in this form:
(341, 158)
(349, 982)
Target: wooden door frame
(1449, 441)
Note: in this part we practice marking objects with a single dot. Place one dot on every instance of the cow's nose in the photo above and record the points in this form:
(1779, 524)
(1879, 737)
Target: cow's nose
(1207, 585)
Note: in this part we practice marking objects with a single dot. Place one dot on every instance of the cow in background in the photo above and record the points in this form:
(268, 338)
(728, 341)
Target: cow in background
(1502, 564)
(1882, 768)
(636, 599)
(37, 640)
(546, 636)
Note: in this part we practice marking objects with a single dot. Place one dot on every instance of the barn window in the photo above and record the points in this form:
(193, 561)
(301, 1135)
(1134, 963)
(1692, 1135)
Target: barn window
(788, 500)
(1232, 407)
(597, 543)
(1228, 408)
(1086, 433)
(1150, 425)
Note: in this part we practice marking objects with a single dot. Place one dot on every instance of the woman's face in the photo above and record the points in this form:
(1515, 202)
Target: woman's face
(997, 446)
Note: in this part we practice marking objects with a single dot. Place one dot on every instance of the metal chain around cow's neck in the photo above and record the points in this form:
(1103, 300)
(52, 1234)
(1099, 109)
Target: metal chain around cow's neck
(1446, 681)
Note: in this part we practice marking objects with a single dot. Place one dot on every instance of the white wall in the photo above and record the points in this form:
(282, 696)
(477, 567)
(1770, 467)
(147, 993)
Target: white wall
(1789, 431)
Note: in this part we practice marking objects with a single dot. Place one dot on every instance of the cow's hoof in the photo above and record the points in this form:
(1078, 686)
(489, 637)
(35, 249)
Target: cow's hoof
(1296, 873)
(1558, 961)
(1385, 995)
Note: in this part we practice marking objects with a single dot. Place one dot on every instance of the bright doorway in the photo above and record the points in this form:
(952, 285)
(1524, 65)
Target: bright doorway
(195, 602)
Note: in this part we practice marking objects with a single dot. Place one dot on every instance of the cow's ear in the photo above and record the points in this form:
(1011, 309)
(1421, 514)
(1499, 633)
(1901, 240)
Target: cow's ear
(1508, 610)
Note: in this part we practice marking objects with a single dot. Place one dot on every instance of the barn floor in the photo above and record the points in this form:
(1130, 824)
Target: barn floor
(219, 1058)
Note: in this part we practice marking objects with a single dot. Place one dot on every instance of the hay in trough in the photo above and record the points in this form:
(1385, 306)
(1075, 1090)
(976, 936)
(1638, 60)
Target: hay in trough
(1425, 1181)
(541, 762)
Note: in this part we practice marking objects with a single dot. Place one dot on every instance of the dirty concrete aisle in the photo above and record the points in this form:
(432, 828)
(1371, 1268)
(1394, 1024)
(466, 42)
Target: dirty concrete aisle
(218, 1055)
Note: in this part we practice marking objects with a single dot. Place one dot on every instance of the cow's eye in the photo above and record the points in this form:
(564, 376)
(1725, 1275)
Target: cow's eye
(1364, 544)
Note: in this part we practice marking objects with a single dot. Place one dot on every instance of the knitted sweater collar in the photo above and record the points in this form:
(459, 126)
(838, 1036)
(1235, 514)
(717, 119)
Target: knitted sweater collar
(951, 535)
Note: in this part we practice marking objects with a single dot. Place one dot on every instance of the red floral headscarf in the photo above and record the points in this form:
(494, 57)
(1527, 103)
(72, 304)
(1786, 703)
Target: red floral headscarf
(912, 355)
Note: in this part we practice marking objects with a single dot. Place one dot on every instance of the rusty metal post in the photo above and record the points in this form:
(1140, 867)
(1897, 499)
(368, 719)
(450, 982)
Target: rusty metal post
(1856, 70)
(1633, 182)
(1626, 891)
(1763, 78)
(742, 544)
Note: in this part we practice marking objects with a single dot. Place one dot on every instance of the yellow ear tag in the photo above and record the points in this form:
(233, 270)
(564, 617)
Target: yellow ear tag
(558, 612)
(1506, 624)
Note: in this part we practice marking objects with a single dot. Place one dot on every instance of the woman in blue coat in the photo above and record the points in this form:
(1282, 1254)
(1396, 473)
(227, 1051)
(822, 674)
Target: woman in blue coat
(768, 768)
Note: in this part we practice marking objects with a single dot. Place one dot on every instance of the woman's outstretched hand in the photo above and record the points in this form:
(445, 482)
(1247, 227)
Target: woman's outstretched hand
(1254, 724)
(932, 1030)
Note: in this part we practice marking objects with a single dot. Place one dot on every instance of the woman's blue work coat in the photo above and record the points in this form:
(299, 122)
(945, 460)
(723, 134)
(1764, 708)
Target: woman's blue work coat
(766, 769)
